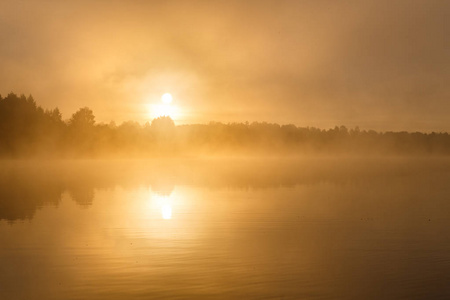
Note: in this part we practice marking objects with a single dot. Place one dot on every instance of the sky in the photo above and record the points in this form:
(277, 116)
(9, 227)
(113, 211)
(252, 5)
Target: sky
(376, 64)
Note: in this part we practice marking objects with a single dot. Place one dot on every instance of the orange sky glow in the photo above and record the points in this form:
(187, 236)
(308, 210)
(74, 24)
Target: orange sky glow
(382, 65)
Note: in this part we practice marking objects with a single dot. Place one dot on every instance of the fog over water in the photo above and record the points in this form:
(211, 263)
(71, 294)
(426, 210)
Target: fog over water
(312, 228)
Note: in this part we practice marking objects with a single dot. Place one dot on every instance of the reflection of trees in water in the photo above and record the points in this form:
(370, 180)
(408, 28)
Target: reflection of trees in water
(163, 187)
(24, 188)
(82, 195)
(21, 194)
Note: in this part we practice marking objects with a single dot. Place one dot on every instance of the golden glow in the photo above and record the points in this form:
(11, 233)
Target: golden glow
(164, 205)
(166, 109)
(179, 48)
(166, 98)
(162, 110)
(166, 212)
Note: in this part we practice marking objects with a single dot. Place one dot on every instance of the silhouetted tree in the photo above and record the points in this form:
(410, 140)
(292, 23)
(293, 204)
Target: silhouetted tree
(54, 115)
(84, 117)
(81, 137)
(163, 124)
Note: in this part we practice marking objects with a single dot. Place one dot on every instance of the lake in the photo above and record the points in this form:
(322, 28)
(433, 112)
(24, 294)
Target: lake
(235, 228)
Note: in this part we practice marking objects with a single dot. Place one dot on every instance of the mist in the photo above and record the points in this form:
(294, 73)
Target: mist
(374, 64)
(289, 149)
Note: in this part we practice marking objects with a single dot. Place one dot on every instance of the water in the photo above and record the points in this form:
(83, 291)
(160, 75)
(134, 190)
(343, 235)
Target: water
(226, 229)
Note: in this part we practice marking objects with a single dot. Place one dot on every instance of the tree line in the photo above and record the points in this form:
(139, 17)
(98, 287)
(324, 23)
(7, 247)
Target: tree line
(27, 130)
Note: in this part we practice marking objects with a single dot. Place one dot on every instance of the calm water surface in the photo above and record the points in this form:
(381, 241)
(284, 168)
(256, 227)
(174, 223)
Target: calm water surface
(235, 229)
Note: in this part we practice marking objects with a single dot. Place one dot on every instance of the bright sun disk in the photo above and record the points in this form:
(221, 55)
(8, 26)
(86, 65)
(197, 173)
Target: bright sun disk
(166, 98)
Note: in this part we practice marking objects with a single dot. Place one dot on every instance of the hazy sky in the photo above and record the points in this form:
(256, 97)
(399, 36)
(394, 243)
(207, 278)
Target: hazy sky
(378, 64)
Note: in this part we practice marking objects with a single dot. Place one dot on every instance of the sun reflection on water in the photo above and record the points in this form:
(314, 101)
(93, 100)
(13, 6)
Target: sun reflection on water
(163, 204)
(166, 212)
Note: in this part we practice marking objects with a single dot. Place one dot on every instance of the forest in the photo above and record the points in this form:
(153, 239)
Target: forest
(27, 130)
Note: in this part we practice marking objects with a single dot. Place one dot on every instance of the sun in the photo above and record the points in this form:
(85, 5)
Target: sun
(165, 108)
(166, 98)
